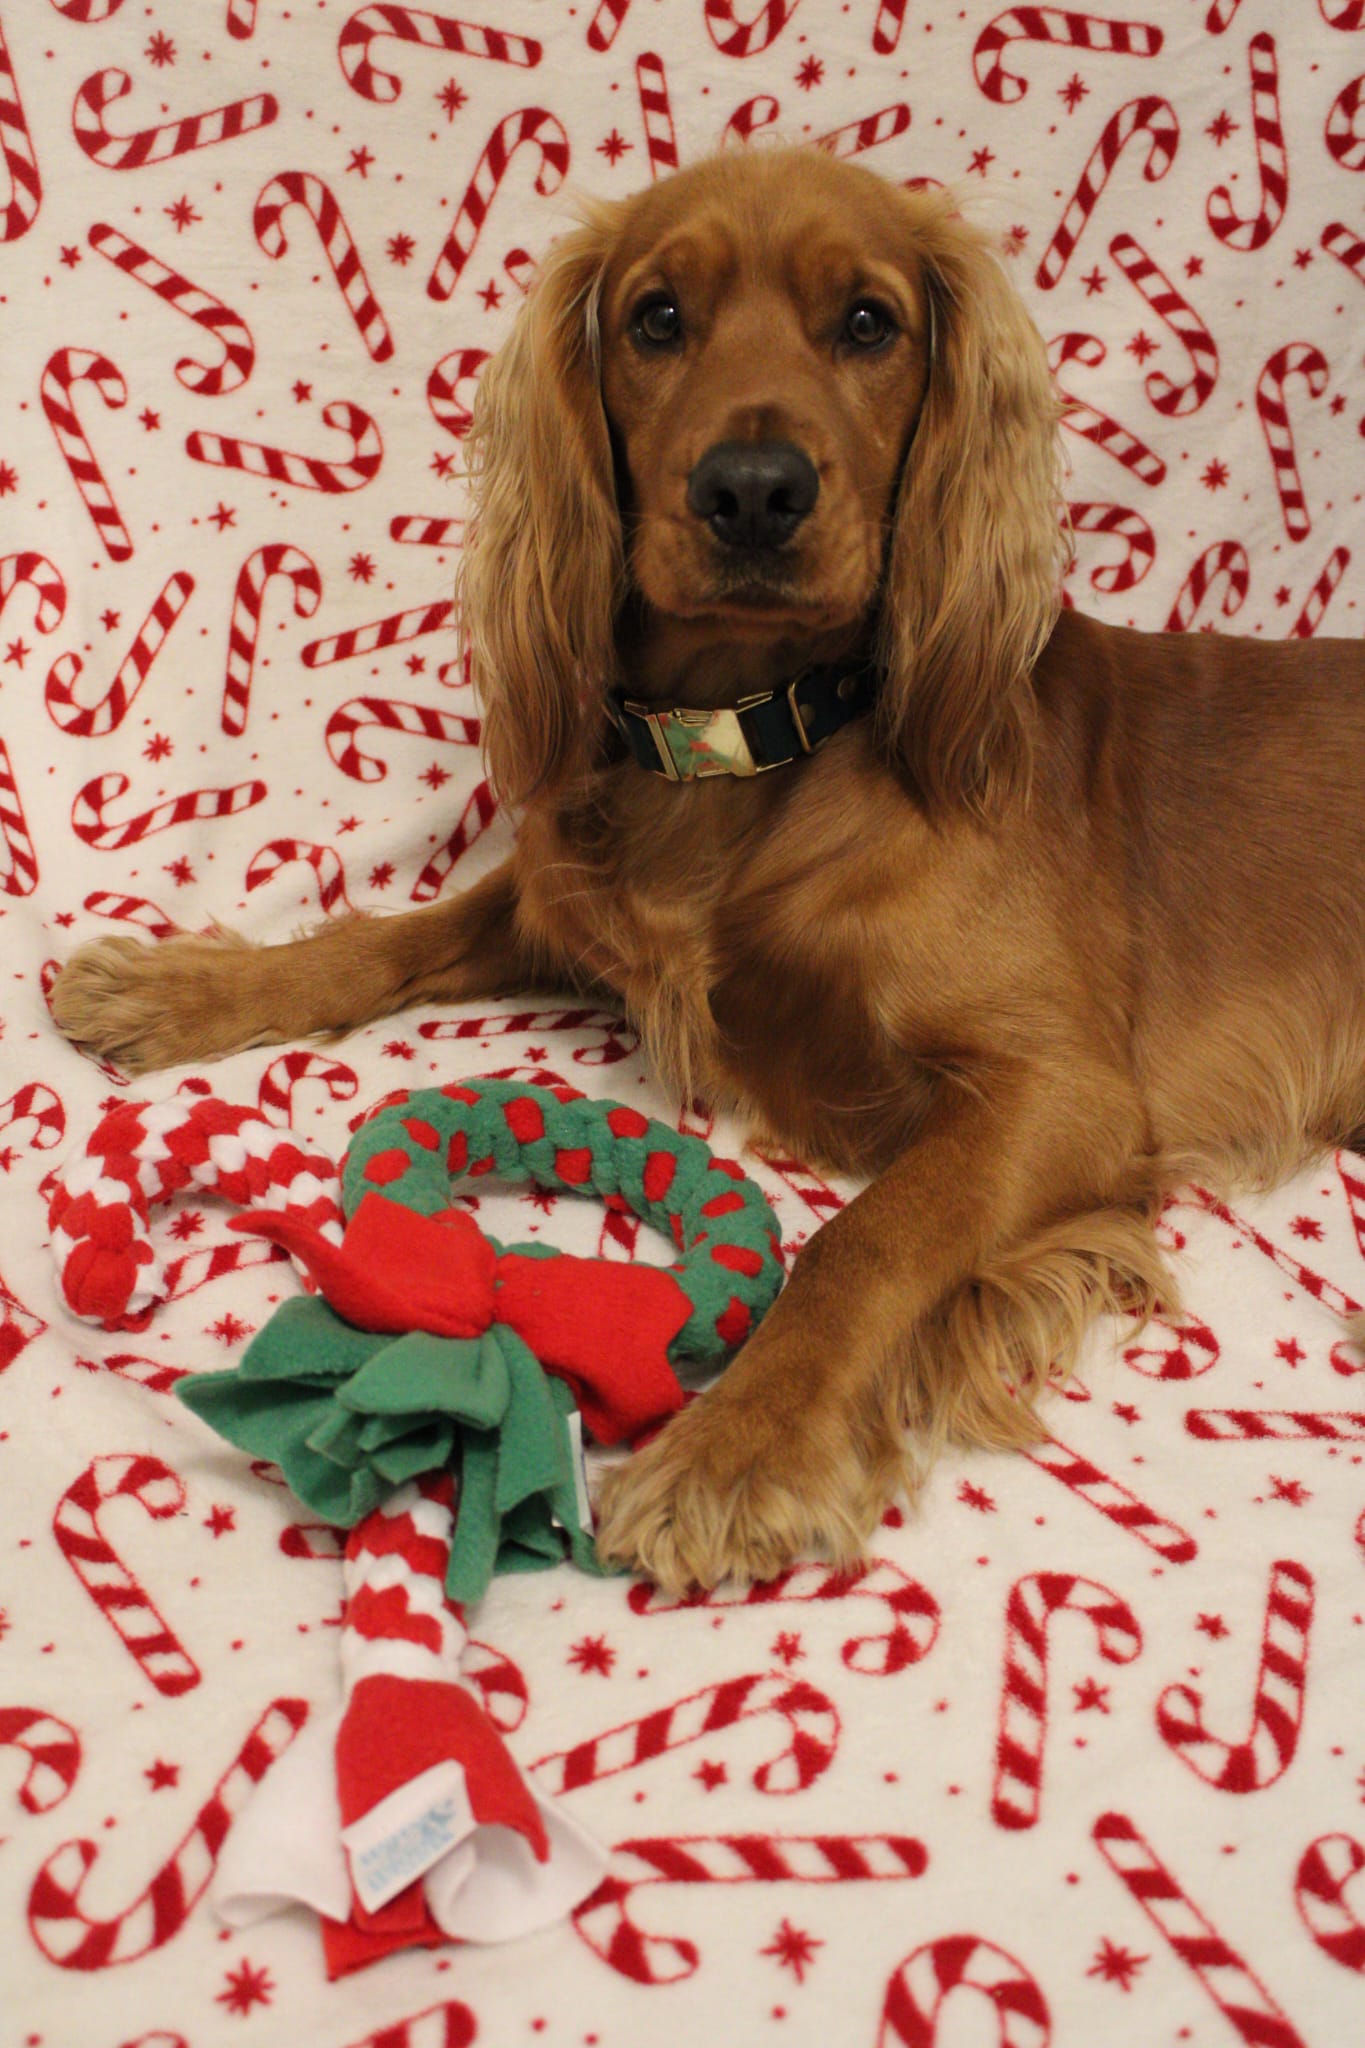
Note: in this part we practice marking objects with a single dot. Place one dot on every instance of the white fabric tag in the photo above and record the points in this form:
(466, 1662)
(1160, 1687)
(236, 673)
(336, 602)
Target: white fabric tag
(403, 1836)
(580, 1473)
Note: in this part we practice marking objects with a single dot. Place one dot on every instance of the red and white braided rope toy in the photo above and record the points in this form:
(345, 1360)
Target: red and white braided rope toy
(142, 1154)
(407, 1783)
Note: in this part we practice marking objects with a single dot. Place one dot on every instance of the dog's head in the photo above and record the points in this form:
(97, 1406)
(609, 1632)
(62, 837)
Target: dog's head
(776, 397)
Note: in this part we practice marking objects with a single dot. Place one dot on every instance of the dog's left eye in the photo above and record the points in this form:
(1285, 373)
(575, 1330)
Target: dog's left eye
(867, 325)
(656, 322)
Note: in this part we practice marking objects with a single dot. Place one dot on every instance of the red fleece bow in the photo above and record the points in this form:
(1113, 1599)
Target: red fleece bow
(603, 1328)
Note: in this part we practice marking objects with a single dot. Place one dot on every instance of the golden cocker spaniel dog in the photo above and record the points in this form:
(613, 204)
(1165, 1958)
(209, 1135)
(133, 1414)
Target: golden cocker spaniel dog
(1017, 915)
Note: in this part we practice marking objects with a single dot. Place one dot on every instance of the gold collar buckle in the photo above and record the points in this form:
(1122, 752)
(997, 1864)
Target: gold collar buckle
(693, 745)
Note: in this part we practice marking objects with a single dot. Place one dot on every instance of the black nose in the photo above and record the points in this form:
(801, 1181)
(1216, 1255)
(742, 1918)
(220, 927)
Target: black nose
(753, 494)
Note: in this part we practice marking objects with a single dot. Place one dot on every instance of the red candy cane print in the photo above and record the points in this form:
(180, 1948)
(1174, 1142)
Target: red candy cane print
(20, 877)
(53, 1749)
(1190, 1349)
(1018, 1790)
(18, 1326)
(1171, 307)
(1295, 359)
(323, 860)
(244, 632)
(913, 1609)
(1347, 15)
(87, 10)
(1353, 1187)
(118, 1595)
(172, 138)
(606, 22)
(1148, 116)
(34, 572)
(1238, 1994)
(239, 351)
(89, 822)
(68, 366)
(1139, 550)
(736, 38)
(1320, 596)
(618, 1040)
(531, 125)
(448, 408)
(450, 2025)
(811, 1719)
(429, 32)
(1220, 16)
(1226, 563)
(818, 1196)
(1277, 1714)
(927, 1979)
(856, 136)
(16, 147)
(317, 1542)
(1276, 1425)
(1255, 230)
(305, 472)
(474, 820)
(285, 1075)
(417, 531)
(1096, 426)
(1345, 135)
(604, 1920)
(91, 721)
(1326, 1868)
(380, 633)
(656, 110)
(1053, 25)
(1346, 245)
(886, 29)
(36, 1103)
(1313, 1284)
(301, 188)
(149, 1373)
(75, 1940)
(1113, 1500)
(499, 1683)
(361, 713)
(759, 112)
(138, 911)
(241, 19)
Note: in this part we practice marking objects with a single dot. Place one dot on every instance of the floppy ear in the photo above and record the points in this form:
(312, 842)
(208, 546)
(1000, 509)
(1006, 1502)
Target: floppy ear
(976, 554)
(541, 569)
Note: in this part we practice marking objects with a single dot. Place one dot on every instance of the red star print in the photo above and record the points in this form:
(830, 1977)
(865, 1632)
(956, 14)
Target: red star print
(157, 747)
(182, 213)
(1214, 475)
(1142, 346)
(179, 871)
(1302, 258)
(1126, 1412)
(1073, 92)
(188, 1224)
(1221, 126)
(16, 651)
(1116, 1965)
(787, 1646)
(981, 160)
(975, 1497)
(592, 1653)
(415, 664)
(220, 1521)
(399, 248)
(810, 74)
(247, 1987)
(451, 98)
(71, 257)
(1094, 281)
(1337, 406)
(349, 825)
(444, 466)
(361, 159)
(109, 620)
(8, 1155)
(1306, 1226)
(228, 1329)
(491, 296)
(398, 1049)
(1194, 266)
(9, 479)
(64, 918)
(1212, 1625)
(223, 516)
(614, 147)
(360, 568)
(541, 1198)
(160, 50)
(1290, 1350)
(709, 1775)
(794, 1949)
(1292, 1490)
(1089, 1694)
(159, 1775)
(1282, 595)
(1015, 239)
(434, 776)
(302, 392)
(148, 419)
(381, 875)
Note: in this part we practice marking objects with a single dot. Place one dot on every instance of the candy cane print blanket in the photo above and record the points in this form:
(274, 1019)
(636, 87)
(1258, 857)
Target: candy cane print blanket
(1078, 1758)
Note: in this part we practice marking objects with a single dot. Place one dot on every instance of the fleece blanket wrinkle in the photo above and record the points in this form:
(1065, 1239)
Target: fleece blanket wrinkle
(1078, 1756)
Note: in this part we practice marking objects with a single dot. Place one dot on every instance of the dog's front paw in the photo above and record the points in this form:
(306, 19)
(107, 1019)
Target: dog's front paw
(153, 1006)
(725, 1493)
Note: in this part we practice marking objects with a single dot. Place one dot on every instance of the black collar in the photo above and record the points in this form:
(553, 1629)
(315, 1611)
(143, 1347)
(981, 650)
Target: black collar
(749, 737)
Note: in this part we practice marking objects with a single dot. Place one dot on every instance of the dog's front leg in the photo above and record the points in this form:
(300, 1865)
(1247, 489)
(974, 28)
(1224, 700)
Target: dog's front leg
(800, 1442)
(193, 998)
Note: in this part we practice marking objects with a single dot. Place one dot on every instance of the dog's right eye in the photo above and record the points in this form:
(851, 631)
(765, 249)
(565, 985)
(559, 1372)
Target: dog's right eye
(656, 322)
